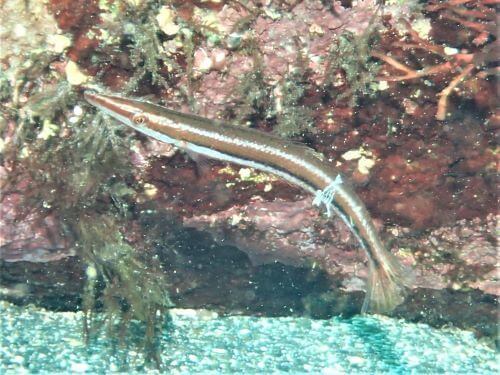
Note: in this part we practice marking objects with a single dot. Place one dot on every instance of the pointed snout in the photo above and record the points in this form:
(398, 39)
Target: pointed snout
(122, 109)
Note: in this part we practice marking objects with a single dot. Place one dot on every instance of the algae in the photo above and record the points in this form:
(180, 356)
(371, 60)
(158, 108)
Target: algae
(253, 97)
(79, 172)
(134, 28)
(135, 285)
(257, 100)
(349, 59)
(78, 169)
(294, 117)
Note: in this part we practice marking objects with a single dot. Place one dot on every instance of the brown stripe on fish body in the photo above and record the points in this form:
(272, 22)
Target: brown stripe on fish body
(245, 143)
(248, 144)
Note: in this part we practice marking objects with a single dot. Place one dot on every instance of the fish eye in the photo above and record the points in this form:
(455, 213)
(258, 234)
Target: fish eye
(139, 119)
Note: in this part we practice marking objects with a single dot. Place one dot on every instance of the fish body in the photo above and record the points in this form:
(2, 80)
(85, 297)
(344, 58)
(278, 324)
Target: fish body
(296, 163)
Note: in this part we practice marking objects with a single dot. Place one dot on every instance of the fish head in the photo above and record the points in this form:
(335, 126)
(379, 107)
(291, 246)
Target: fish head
(132, 112)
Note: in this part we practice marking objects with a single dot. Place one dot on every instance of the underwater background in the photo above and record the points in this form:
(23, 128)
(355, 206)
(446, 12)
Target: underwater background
(121, 253)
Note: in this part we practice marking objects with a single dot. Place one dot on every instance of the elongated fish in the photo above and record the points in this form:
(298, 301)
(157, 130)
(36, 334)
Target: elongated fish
(295, 163)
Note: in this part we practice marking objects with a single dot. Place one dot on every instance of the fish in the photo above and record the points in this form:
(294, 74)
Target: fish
(388, 280)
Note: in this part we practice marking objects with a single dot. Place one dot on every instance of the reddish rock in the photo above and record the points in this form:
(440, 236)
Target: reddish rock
(71, 15)
(36, 237)
(83, 45)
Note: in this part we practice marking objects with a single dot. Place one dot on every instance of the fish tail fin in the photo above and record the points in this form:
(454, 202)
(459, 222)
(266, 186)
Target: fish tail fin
(387, 284)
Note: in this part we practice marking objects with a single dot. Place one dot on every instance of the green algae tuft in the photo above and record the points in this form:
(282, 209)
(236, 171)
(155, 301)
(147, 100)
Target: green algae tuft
(351, 71)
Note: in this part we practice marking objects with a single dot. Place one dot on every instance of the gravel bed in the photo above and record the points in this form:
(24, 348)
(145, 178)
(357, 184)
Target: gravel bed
(35, 340)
